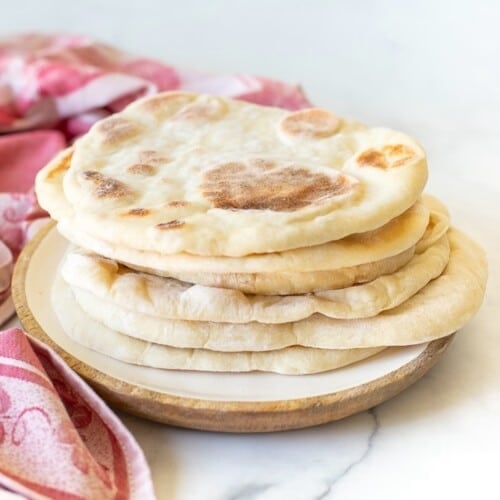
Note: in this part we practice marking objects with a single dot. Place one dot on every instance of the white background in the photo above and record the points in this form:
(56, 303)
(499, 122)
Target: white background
(429, 68)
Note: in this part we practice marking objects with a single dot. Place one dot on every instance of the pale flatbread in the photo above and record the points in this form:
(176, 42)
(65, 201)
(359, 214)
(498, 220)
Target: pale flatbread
(180, 172)
(439, 309)
(290, 282)
(439, 222)
(393, 238)
(108, 282)
(289, 361)
(293, 282)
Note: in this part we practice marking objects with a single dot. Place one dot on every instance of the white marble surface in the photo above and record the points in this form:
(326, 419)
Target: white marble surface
(429, 68)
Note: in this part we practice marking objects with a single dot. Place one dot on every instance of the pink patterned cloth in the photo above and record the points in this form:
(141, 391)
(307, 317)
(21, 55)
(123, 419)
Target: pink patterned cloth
(6, 262)
(72, 81)
(21, 156)
(58, 440)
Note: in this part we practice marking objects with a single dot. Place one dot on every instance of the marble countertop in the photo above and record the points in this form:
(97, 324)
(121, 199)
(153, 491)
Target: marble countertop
(430, 70)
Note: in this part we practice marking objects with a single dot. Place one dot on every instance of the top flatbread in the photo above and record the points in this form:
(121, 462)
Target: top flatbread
(398, 235)
(181, 172)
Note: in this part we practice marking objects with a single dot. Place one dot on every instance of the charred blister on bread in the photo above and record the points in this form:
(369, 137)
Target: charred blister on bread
(262, 184)
(204, 109)
(263, 164)
(389, 156)
(399, 154)
(152, 157)
(61, 167)
(116, 130)
(372, 158)
(171, 224)
(138, 212)
(164, 106)
(315, 123)
(144, 169)
(177, 204)
(106, 187)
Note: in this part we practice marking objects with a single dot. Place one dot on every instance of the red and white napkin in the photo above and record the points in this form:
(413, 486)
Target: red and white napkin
(58, 440)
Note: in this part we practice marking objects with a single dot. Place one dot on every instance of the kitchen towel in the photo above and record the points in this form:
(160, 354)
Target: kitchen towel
(58, 440)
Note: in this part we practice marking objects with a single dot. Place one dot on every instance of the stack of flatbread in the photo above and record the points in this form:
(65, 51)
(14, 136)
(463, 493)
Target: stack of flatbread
(211, 234)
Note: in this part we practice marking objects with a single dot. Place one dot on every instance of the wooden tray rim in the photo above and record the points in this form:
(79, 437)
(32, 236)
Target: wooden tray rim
(115, 389)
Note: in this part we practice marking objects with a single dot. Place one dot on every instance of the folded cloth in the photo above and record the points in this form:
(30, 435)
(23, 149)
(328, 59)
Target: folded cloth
(5, 270)
(6, 262)
(58, 440)
(20, 219)
(17, 212)
(73, 81)
(7, 309)
(21, 156)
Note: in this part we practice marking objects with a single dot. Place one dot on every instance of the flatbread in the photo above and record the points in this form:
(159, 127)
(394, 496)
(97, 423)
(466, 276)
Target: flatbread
(108, 282)
(300, 282)
(439, 222)
(290, 361)
(296, 279)
(292, 282)
(181, 172)
(440, 308)
(395, 237)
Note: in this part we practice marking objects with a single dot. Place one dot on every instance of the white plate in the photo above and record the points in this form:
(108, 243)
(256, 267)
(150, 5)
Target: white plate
(216, 386)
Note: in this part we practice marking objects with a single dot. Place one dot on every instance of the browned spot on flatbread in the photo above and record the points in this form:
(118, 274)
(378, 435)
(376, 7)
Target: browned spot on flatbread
(177, 203)
(138, 212)
(107, 187)
(116, 130)
(398, 154)
(396, 149)
(233, 168)
(61, 167)
(262, 163)
(204, 109)
(92, 175)
(284, 188)
(165, 105)
(142, 169)
(314, 122)
(171, 224)
(372, 158)
(389, 156)
(152, 157)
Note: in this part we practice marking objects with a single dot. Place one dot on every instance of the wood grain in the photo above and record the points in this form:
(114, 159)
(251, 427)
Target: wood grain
(225, 416)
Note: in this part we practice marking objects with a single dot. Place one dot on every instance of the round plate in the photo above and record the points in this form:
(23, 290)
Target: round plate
(242, 402)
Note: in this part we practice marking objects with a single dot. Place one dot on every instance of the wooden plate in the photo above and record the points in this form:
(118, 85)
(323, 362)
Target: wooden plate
(255, 402)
